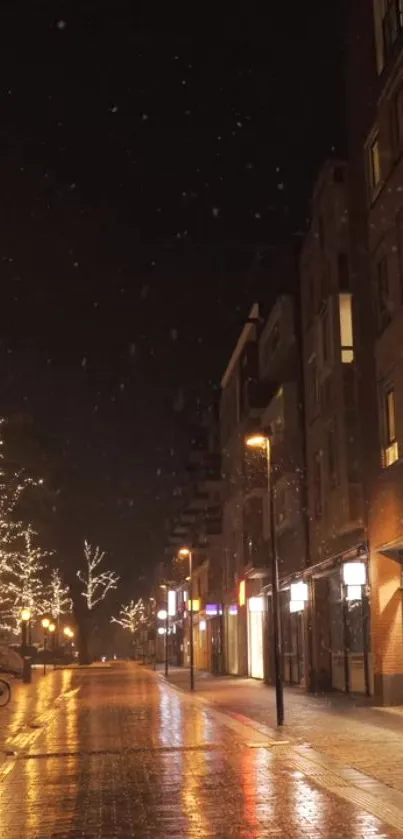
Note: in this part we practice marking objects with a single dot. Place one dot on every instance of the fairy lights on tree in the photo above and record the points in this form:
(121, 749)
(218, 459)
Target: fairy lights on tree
(96, 583)
(58, 600)
(132, 616)
(23, 583)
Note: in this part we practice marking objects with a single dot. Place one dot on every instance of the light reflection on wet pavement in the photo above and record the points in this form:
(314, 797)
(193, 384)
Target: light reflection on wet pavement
(123, 755)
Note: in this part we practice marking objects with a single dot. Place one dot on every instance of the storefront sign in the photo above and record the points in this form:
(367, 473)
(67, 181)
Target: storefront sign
(233, 610)
(212, 609)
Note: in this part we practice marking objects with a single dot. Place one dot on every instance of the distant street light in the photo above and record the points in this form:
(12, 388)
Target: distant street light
(262, 441)
(25, 619)
(186, 553)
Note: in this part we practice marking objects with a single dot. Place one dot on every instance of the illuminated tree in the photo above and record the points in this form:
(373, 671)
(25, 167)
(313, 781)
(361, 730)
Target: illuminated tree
(58, 600)
(96, 583)
(13, 484)
(23, 583)
(132, 616)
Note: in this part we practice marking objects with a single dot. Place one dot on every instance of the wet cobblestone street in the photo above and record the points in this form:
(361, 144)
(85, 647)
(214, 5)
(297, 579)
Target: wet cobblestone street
(122, 754)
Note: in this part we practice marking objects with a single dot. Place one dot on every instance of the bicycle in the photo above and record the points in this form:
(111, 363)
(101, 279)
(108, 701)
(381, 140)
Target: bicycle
(5, 693)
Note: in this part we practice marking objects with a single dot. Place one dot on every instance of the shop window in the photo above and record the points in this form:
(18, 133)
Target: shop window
(346, 328)
(390, 447)
(382, 294)
(374, 165)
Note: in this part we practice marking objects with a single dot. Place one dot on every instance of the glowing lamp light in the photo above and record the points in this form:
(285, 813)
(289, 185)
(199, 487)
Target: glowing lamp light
(45, 623)
(161, 630)
(299, 592)
(162, 615)
(202, 626)
(25, 614)
(256, 605)
(296, 606)
(194, 605)
(354, 574)
(52, 627)
(242, 593)
(256, 441)
(183, 552)
(354, 593)
(171, 603)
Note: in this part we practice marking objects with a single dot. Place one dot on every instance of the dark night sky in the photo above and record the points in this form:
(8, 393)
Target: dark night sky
(145, 161)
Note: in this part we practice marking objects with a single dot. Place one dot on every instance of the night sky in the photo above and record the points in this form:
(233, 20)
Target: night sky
(151, 167)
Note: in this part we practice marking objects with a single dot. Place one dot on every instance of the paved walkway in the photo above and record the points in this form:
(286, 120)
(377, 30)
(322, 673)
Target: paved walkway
(122, 754)
(364, 738)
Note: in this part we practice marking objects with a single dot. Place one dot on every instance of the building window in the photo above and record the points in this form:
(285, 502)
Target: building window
(392, 24)
(343, 271)
(317, 485)
(346, 328)
(391, 448)
(374, 164)
(397, 121)
(280, 506)
(383, 308)
(332, 457)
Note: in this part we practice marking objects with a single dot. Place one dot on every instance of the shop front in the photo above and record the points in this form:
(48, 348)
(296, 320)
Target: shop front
(256, 624)
(231, 636)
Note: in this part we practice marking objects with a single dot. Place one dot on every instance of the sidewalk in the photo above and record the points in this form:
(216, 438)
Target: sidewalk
(365, 738)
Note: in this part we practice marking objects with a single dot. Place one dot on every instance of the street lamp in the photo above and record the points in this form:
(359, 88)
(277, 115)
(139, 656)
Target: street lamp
(262, 441)
(45, 624)
(25, 619)
(187, 554)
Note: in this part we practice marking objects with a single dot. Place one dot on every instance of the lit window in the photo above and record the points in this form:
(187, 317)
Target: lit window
(391, 448)
(346, 328)
(374, 164)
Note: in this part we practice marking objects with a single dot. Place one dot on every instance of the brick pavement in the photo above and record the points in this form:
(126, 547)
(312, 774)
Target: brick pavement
(367, 739)
(124, 755)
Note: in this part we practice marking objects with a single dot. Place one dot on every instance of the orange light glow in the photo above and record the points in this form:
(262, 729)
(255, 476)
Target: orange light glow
(184, 552)
(25, 615)
(256, 441)
(45, 623)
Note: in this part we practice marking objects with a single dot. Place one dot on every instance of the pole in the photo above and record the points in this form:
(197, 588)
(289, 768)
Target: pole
(275, 598)
(166, 642)
(45, 644)
(23, 637)
(192, 676)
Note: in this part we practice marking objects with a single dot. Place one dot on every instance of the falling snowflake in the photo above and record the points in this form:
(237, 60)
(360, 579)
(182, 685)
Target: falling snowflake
(114, 110)
(61, 24)
(215, 211)
(84, 362)
(174, 334)
(132, 350)
(144, 117)
(258, 215)
(122, 387)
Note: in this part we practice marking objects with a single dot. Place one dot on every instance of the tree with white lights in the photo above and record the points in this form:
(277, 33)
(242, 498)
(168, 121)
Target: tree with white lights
(58, 600)
(96, 583)
(13, 483)
(132, 616)
(23, 581)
